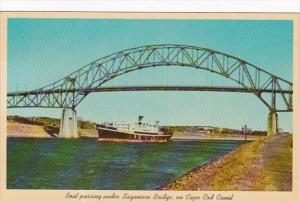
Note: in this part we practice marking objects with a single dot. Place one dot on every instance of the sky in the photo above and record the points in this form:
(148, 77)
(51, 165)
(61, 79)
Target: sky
(41, 51)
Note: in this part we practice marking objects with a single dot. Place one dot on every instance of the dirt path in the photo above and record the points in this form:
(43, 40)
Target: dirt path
(264, 164)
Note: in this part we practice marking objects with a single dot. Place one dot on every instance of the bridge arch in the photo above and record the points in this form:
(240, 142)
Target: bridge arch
(256, 80)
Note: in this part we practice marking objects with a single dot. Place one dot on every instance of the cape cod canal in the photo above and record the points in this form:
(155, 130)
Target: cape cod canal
(87, 164)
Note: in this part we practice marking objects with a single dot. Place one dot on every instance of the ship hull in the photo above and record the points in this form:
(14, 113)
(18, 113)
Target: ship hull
(110, 135)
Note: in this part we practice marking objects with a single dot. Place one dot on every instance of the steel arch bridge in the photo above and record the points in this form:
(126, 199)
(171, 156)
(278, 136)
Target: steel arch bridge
(69, 91)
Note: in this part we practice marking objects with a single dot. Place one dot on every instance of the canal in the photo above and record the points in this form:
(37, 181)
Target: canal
(87, 164)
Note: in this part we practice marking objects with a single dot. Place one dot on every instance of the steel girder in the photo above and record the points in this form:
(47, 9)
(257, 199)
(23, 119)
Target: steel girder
(69, 91)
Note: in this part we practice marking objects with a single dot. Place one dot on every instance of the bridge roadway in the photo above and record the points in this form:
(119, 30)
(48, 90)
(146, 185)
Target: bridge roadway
(153, 88)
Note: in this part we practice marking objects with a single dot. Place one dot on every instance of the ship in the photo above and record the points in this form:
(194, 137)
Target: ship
(126, 132)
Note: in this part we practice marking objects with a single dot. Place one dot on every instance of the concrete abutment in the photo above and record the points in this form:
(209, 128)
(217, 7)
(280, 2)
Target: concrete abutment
(68, 124)
(272, 123)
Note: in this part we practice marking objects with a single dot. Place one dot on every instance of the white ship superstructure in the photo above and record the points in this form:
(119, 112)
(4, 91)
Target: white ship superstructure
(138, 132)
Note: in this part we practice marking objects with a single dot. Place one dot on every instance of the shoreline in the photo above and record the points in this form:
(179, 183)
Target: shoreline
(49, 128)
(24, 130)
(237, 138)
(260, 165)
(37, 136)
(204, 165)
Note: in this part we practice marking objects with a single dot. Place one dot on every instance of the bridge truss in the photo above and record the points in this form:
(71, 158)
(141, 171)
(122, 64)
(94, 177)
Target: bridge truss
(69, 91)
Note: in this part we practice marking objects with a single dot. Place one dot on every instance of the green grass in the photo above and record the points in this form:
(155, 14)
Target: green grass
(262, 165)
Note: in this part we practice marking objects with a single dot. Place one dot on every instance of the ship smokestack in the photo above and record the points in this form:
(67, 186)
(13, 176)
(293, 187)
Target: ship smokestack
(140, 120)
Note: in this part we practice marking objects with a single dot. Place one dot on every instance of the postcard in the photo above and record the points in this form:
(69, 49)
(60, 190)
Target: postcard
(149, 106)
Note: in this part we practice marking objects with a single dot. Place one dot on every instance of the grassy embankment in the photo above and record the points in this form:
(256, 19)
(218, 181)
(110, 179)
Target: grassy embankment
(44, 127)
(261, 165)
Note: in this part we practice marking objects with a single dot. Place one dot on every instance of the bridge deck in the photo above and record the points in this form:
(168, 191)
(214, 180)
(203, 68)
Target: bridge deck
(152, 88)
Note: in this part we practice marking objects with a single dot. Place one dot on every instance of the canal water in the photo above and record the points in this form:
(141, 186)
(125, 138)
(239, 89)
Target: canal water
(87, 164)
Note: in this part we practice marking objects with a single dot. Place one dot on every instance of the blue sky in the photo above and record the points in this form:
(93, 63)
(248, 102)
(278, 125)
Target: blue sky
(41, 51)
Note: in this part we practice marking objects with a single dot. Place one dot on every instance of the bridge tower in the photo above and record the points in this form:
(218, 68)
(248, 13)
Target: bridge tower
(272, 127)
(68, 124)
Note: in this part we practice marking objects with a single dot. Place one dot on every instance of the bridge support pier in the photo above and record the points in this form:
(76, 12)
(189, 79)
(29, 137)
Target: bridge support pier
(272, 123)
(68, 124)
